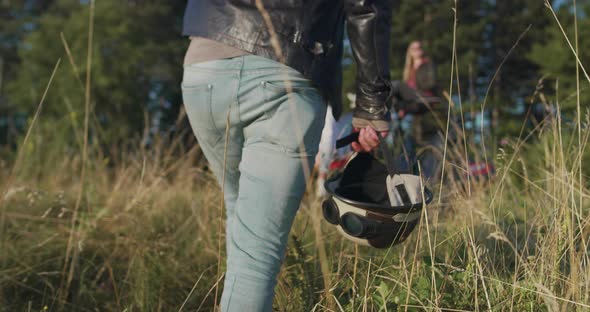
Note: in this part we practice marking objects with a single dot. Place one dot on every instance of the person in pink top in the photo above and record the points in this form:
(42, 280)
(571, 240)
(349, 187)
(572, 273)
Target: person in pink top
(419, 71)
(426, 133)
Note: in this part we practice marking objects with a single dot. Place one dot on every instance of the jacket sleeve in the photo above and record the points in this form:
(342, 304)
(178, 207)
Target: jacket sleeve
(369, 27)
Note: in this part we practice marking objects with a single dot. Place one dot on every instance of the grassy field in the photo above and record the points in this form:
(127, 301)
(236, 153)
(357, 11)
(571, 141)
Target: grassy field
(139, 230)
(84, 227)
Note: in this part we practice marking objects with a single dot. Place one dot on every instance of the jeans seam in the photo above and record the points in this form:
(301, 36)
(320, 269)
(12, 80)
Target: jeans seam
(211, 119)
(237, 99)
(233, 282)
(212, 148)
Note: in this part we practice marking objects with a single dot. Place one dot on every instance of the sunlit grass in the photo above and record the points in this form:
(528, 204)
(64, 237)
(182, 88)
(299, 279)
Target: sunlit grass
(147, 231)
(148, 236)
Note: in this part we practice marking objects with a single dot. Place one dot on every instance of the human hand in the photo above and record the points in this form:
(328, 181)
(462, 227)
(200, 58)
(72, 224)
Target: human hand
(367, 140)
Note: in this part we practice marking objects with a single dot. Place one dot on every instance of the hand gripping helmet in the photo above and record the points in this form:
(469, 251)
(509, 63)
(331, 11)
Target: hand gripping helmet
(371, 203)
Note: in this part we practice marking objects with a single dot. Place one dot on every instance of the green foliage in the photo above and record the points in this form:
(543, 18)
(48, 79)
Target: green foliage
(557, 61)
(432, 23)
(486, 32)
(519, 74)
(17, 18)
(136, 48)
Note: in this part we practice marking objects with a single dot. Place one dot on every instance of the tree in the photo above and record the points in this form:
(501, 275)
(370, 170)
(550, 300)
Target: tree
(137, 48)
(431, 21)
(17, 19)
(509, 21)
(556, 60)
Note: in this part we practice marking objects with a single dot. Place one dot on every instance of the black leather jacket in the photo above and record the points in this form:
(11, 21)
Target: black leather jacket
(310, 35)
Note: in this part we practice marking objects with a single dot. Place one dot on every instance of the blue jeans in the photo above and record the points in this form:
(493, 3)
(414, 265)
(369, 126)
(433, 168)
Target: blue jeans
(272, 135)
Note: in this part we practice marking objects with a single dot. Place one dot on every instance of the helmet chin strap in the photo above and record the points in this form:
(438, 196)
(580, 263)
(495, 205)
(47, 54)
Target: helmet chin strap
(389, 162)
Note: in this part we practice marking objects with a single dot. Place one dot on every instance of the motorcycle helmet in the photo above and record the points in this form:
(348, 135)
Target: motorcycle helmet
(371, 203)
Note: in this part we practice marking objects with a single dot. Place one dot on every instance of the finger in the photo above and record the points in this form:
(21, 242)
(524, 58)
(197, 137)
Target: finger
(373, 134)
(356, 147)
(370, 139)
(366, 142)
(361, 140)
(374, 139)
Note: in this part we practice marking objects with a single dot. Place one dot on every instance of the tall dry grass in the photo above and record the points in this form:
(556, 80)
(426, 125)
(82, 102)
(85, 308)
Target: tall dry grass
(148, 237)
(144, 224)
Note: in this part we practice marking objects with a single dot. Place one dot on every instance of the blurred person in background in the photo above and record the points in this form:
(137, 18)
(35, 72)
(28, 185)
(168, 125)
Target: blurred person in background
(257, 82)
(427, 114)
